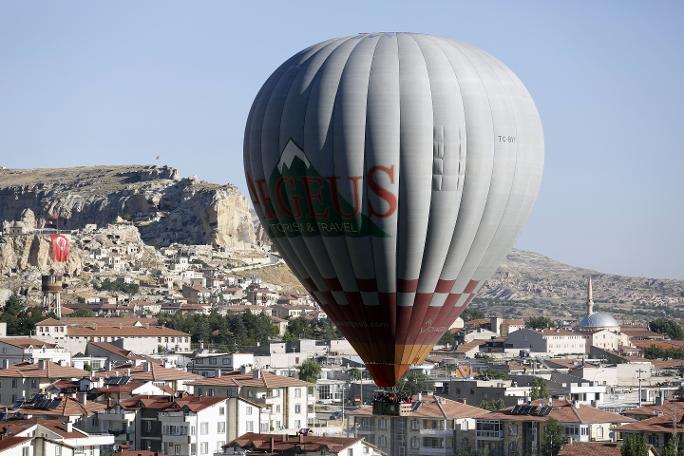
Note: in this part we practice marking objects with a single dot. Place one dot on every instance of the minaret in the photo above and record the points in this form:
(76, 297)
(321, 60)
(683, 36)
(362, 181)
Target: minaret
(590, 298)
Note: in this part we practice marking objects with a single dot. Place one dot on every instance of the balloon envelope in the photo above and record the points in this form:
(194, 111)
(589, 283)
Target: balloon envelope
(393, 171)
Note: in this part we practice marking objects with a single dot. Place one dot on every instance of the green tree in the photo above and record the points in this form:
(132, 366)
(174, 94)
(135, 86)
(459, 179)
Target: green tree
(471, 313)
(669, 449)
(539, 389)
(355, 374)
(540, 323)
(302, 328)
(309, 371)
(414, 382)
(493, 404)
(21, 320)
(81, 313)
(670, 328)
(448, 338)
(553, 437)
(634, 445)
(493, 374)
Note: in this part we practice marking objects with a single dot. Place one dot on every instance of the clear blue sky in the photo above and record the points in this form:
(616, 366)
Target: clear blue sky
(84, 83)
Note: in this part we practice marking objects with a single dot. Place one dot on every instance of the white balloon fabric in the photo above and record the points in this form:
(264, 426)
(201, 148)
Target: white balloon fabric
(393, 172)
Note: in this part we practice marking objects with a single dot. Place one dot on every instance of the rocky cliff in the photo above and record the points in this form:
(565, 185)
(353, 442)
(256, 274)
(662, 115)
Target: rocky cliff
(165, 207)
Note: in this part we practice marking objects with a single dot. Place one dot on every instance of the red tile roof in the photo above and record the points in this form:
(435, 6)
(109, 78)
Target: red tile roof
(279, 443)
(26, 342)
(564, 412)
(587, 448)
(266, 380)
(9, 442)
(155, 373)
(51, 370)
(434, 407)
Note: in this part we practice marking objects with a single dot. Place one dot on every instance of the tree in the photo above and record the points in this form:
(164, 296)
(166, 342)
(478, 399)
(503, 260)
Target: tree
(309, 371)
(553, 438)
(670, 328)
(448, 338)
(493, 374)
(539, 323)
(669, 449)
(493, 404)
(634, 445)
(302, 328)
(21, 320)
(355, 374)
(472, 313)
(539, 389)
(414, 382)
(81, 313)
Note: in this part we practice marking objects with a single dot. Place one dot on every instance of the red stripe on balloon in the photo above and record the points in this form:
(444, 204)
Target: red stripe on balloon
(368, 285)
(418, 311)
(444, 286)
(333, 284)
(407, 286)
(471, 286)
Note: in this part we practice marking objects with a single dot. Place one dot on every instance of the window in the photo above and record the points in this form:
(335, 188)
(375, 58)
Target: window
(382, 441)
(298, 392)
(177, 448)
(148, 426)
(25, 451)
(298, 424)
(277, 408)
(204, 429)
(350, 452)
(414, 442)
(264, 427)
(599, 433)
(220, 427)
(414, 425)
(248, 410)
(193, 449)
(226, 361)
(204, 448)
(14, 383)
(298, 408)
(382, 423)
(222, 411)
(250, 426)
(433, 442)
(213, 361)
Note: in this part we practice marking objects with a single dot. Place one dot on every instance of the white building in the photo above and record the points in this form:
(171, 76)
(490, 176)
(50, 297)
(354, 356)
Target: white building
(15, 350)
(286, 400)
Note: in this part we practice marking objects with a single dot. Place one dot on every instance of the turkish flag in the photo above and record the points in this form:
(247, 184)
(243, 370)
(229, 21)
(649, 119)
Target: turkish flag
(60, 247)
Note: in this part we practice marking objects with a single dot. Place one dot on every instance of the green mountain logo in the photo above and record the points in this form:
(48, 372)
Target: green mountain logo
(307, 204)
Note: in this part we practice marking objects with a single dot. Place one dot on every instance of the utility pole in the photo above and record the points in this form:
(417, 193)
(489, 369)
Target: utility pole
(639, 372)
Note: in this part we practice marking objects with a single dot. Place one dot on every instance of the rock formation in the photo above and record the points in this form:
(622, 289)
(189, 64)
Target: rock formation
(164, 207)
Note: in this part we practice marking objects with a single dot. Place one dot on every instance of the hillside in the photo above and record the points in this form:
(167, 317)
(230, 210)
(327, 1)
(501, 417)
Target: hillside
(165, 207)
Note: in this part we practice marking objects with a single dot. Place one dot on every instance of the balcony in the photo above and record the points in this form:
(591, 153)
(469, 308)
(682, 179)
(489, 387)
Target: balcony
(445, 432)
(177, 438)
(481, 434)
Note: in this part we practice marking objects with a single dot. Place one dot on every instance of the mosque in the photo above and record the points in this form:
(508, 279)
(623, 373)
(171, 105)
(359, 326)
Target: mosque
(596, 321)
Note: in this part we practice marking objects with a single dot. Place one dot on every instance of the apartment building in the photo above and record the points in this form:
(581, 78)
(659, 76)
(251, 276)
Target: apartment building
(209, 365)
(430, 425)
(519, 430)
(554, 342)
(138, 335)
(23, 380)
(286, 400)
(148, 371)
(15, 350)
(38, 437)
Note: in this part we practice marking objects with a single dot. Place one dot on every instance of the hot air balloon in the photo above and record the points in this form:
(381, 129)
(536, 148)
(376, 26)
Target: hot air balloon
(393, 172)
(59, 248)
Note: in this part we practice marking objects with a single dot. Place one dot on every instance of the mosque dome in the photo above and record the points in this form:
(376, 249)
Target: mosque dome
(598, 320)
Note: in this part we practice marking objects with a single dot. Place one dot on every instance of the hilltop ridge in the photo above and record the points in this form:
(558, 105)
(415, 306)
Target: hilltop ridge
(165, 207)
